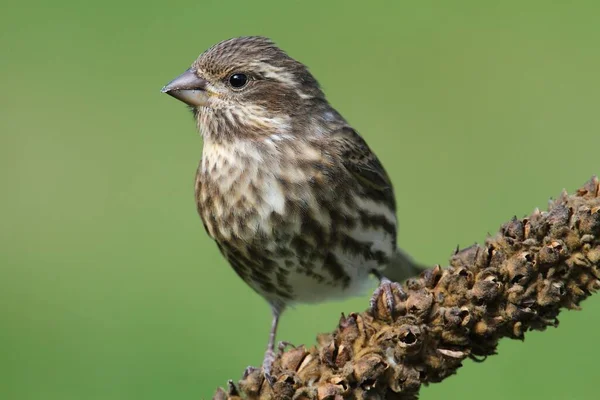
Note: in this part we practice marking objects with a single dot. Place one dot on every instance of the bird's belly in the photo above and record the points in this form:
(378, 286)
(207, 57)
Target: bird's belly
(319, 284)
(306, 256)
(295, 269)
(295, 242)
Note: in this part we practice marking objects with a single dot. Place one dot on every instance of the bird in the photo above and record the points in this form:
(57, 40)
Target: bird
(295, 199)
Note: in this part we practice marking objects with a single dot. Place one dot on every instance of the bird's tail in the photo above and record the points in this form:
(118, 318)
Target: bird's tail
(402, 267)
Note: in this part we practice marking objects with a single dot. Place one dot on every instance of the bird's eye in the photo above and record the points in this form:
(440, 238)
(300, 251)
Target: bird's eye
(238, 80)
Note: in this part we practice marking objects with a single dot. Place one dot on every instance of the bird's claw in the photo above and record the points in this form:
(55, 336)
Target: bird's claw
(391, 293)
(267, 367)
(265, 372)
(282, 345)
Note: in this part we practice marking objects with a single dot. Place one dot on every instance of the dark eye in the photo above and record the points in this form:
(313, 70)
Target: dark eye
(238, 80)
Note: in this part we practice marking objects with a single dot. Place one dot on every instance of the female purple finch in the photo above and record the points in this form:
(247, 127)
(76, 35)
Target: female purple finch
(293, 196)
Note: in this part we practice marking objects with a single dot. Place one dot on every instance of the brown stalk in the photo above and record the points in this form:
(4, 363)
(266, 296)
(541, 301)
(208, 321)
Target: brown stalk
(519, 280)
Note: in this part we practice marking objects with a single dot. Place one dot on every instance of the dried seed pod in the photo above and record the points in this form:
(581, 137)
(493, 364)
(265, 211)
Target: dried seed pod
(487, 289)
(455, 317)
(348, 329)
(328, 391)
(368, 370)
(285, 386)
(409, 340)
(559, 216)
(515, 229)
(310, 368)
(469, 257)
(220, 394)
(419, 303)
(291, 359)
(341, 383)
(593, 255)
(497, 255)
(251, 384)
(550, 292)
(327, 352)
(520, 268)
(306, 393)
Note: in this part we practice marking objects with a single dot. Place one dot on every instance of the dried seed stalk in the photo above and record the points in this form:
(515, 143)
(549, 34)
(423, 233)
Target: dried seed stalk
(518, 281)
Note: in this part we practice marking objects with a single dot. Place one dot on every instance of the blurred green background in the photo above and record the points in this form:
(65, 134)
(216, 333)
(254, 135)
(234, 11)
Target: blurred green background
(109, 287)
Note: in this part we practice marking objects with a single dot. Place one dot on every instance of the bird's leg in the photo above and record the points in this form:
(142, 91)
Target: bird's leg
(270, 353)
(385, 288)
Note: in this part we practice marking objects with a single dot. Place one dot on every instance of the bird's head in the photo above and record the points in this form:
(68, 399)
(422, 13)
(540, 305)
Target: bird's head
(245, 86)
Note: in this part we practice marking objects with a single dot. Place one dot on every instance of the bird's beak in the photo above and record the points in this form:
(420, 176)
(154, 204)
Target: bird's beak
(189, 88)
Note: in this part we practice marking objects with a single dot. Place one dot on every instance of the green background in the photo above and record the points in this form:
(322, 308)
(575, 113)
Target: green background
(109, 287)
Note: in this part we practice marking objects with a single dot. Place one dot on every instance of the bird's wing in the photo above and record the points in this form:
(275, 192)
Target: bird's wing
(363, 165)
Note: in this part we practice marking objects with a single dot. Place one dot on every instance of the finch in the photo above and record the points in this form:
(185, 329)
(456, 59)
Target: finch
(293, 196)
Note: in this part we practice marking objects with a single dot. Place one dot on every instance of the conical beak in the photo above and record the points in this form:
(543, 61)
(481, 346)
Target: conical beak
(189, 88)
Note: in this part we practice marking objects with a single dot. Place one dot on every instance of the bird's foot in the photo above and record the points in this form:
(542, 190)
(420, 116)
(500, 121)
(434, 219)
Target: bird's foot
(282, 345)
(267, 367)
(386, 299)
